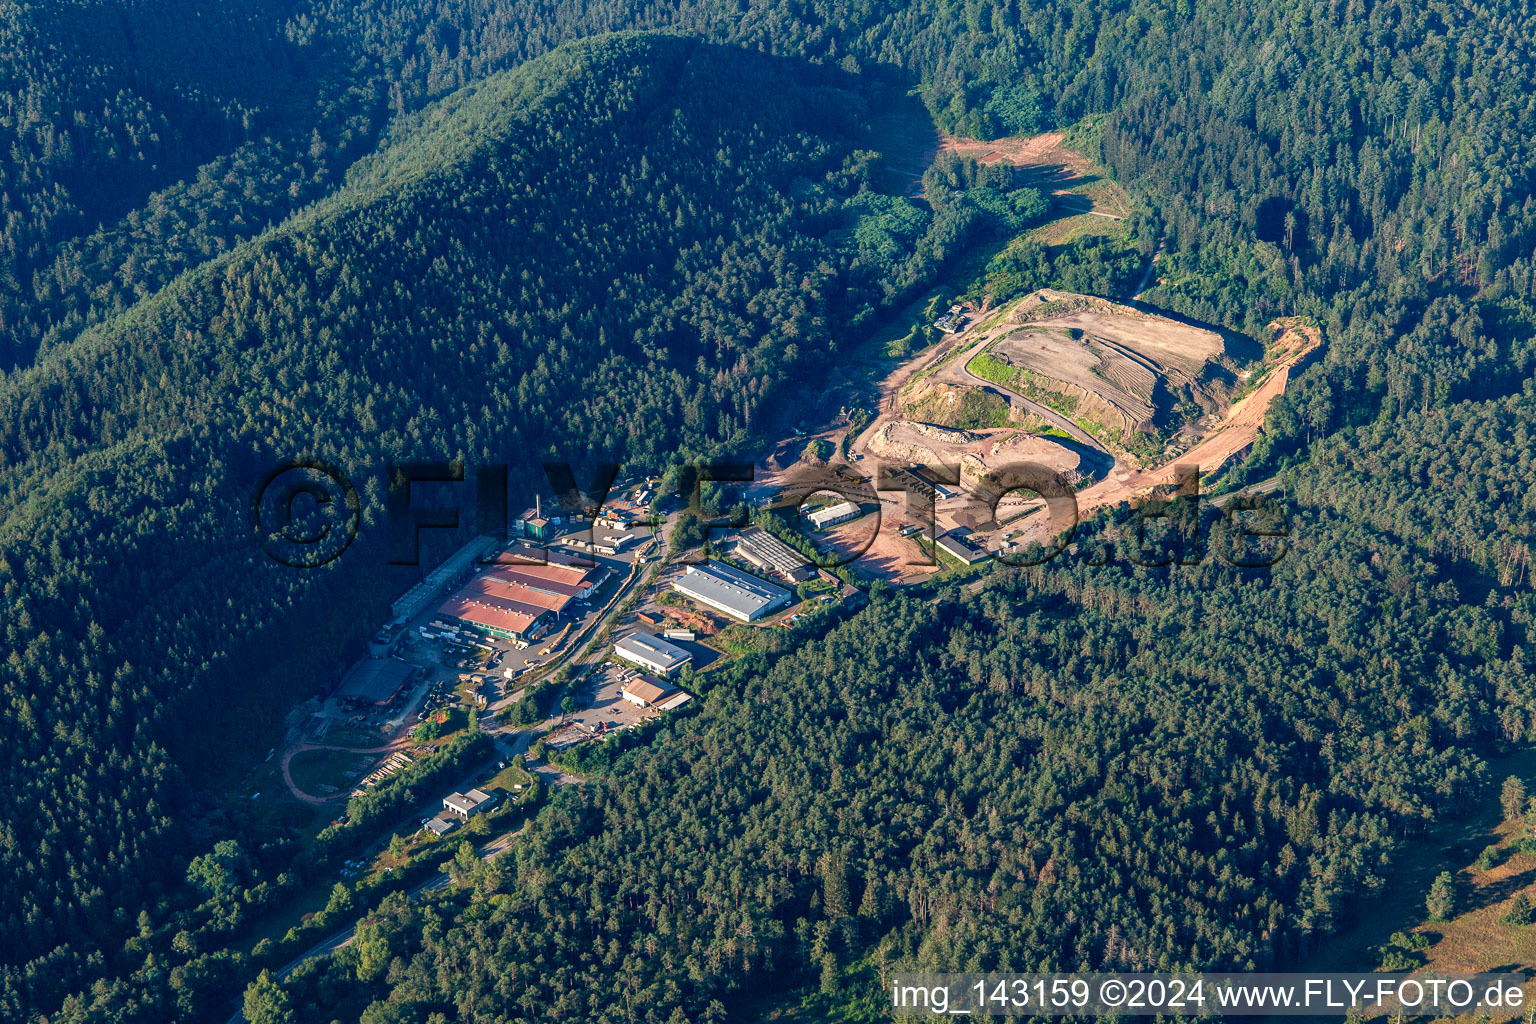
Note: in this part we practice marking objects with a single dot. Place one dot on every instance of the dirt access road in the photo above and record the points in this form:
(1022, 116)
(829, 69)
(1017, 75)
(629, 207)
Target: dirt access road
(1229, 438)
(959, 372)
(948, 363)
(398, 743)
(1234, 434)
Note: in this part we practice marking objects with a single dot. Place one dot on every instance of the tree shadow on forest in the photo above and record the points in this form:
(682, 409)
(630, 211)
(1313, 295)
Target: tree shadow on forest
(1498, 892)
(1049, 178)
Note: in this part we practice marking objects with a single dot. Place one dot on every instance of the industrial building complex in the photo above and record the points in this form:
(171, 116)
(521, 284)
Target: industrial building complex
(760, 548)
(518, 600)
(422, 593)
(737, 594)
(458, 807)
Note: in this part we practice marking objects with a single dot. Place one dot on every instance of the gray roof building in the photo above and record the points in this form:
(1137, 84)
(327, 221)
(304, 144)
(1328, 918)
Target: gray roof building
(961, 548)
(467, 804)
(440, 825)
(738, 594)
(766, 551)
(652, 652)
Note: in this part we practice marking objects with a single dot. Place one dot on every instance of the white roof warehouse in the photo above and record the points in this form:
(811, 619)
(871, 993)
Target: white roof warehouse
(738, 594)
(652, 652)
(834, 514)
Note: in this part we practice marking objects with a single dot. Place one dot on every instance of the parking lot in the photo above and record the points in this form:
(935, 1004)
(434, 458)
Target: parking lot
(601, 704)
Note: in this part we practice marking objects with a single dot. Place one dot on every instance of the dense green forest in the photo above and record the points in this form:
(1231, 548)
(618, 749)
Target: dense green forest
(386, 229)
(466, 294)
(1076, 769)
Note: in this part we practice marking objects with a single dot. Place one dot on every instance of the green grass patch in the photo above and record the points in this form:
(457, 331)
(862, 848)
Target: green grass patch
(514, 774)
(1025, 382)
(324, 772)
(1142, 444)
(1065, 230)
(1476, 933)
(961, 408)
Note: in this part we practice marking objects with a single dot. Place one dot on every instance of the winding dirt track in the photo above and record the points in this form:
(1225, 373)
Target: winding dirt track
(299, 794)
(959, 372)
(1228, 439)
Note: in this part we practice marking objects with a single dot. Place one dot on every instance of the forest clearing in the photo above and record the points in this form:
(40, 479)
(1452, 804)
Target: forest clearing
(1102, 357)
(1070, 179)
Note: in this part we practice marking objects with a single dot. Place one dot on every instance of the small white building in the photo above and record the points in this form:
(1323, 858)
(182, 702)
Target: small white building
(834, 514)
(467, 805)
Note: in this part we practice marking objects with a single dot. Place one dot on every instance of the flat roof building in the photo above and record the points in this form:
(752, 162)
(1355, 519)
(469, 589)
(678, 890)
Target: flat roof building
(467, 805)
(525, 553)
(653, 653)
(738, 594)
(959, 547)
(930, 477)
(834, 514)
(440, 825)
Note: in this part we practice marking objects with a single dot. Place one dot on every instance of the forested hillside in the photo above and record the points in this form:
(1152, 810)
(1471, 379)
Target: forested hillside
(1079, 768)
(367, 231)
(609, 252)
(137, 140)
(1303, 160)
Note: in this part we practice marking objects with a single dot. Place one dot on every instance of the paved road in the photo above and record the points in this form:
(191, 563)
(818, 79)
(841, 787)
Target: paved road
(522, 739)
